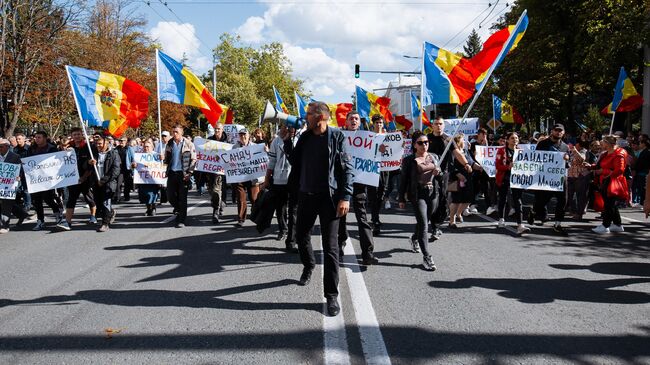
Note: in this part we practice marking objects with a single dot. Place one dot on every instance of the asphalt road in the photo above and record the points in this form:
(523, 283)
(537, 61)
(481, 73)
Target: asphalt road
(212, 294)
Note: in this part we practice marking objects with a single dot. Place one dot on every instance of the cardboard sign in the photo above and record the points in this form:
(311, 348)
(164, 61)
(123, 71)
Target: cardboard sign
(407, 147)
(149, 169)
(245, 164)
(363, 148)
(391, 151)
(51, 171)
(232, 131)
(486, 157)
(538, 170)
(208, 155)
(9, 173)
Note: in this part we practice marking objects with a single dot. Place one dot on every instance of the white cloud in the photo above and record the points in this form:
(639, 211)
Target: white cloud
(323, 42)
(180, 40)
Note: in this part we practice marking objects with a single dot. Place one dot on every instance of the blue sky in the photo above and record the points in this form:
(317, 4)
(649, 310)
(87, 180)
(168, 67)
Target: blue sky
(322, 39)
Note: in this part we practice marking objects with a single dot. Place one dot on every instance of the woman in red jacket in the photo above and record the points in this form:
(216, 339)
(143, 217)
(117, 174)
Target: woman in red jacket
(613, 185)
(503, 163)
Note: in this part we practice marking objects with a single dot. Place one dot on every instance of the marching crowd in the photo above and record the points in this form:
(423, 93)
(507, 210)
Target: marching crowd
(310, 175)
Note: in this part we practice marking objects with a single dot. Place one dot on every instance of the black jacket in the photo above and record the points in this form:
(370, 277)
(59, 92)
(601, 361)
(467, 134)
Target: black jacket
(340, 165)
(111, 169)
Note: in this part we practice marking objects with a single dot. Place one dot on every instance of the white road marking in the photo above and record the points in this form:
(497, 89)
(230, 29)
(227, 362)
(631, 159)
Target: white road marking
(169, 219)
(372, 341)
(633, 220)
(335, 341)
(490, 219)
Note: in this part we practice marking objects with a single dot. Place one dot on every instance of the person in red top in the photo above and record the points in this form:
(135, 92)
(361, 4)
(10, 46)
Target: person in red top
(503, 163)
(613, 185)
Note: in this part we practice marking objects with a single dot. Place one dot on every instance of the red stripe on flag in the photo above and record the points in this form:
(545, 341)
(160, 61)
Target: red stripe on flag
(342, 110)
(214, 111)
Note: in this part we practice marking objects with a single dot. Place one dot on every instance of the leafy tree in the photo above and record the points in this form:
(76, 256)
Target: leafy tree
(473, 45)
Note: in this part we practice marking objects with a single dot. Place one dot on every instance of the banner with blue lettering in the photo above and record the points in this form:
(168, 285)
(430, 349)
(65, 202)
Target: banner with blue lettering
(538, 170)
(468, 127)
(9, 173)
(363, 148)
(149, 169)
(486, 157)
(245, 164)
(391, 151)
(208, 155)
(51, 171)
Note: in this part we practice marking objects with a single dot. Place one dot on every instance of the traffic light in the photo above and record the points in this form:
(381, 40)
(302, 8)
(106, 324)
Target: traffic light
(356, 71)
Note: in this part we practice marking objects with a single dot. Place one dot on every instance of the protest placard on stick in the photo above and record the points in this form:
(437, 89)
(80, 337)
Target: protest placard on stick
(538, 170)
(245, 163)
(486, 157)
(51, 171)
(391, 150)
(208, 155)
(363, 148)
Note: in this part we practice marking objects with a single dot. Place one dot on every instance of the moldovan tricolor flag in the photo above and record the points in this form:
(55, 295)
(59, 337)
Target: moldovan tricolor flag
(108, 100)
(626, 98)
(179, 85)
(505, 112)
(279, 104)
(227, 115)
(417, 110)
(301, 105)
(369, 104)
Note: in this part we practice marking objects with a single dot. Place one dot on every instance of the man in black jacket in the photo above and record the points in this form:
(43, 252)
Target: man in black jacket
(322, 171)
(180, 158)
(108, 166)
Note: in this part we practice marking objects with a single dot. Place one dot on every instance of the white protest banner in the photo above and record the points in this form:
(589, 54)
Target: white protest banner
(232, 131)
(391, 151)
(9, 173)
(527, 146)
(407, 147)
(538, 170)
(363, 146)
(51, 171)
(245, 163)
(208, 155)
(469, 127)
(486, 157)
(149, 169)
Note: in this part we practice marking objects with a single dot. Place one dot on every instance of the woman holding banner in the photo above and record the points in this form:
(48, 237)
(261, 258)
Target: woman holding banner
(148, 193)
(613, 185)
(503, 164)
(419, 186)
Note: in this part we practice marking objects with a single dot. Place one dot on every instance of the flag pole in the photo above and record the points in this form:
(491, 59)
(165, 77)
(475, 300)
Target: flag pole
(81, 120)
(485, 81)
(611, 125)
(422, 91)
(494, 117)
(160, 141)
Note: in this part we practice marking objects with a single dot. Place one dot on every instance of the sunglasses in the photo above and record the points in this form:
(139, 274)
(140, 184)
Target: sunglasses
(422, 143)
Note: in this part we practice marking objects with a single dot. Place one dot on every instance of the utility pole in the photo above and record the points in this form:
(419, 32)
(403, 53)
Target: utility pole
(645, 116)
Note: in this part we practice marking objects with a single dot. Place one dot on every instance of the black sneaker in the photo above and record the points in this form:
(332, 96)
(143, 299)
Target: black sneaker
(333, 308)
(415, 246)
(558, 229)
(305, 278)
(531, 218)
(370, 261)
(290, 247)
(281, 236)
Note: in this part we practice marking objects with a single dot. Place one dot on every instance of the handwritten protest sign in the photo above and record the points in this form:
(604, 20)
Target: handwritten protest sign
(468, 127)
(9, 173)
(363, 148)
(232, 131)
(407, 147)
(208, 155)
(51, 171)
(486, 157)
(538, 170)
(391, 151)
(149, 169)
(527, 146)
(245, 163)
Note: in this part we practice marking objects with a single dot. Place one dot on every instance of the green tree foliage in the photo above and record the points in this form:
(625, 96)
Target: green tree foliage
(245, 77)
(473, 45)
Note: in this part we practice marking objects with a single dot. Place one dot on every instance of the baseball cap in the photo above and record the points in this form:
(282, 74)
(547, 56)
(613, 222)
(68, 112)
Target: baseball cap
(558, 126)
(243, 131)
(165, 133)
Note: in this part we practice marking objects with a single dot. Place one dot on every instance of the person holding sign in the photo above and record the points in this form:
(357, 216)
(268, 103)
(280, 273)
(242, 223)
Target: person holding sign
(542, 198)
(613, 185)
(460, 177)
(323, 176)
(40, 146)
(503, 163)
(419, 186)
(147, 193)
(217, 182)
(107, 161)
(253, 186)
(7, 204)
(180, 158)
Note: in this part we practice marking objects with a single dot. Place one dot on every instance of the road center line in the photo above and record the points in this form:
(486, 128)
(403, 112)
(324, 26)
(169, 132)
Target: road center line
(372, 341)
(169, 219)
(490, 219)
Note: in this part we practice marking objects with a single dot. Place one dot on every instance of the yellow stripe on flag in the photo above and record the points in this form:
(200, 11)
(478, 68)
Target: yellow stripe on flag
(193, 90)
(447, 60)
(108, 95)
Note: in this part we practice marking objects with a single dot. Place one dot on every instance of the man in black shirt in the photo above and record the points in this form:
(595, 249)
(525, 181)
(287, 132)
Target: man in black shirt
(321, 171)
(438, 140)
(552, 143)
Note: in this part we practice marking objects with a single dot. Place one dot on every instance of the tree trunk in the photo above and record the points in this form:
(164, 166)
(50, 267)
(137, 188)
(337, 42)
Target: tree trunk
(645, 119)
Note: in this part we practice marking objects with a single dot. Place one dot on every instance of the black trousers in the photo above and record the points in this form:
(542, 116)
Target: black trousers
(177, 189)
(542, 198)
(73, 195)
(516, 201)
(50, 198)
(311, 206)
(282, 213)
(103, 198)
(610, 212)
(441, 212)
(376, 197)
(359, 199)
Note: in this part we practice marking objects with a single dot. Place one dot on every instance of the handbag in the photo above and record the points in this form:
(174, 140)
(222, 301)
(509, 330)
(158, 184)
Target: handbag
(452, 186)
(617, 188)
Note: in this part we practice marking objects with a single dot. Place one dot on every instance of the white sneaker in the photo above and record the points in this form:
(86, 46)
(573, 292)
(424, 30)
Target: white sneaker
(466, 212)
(63, 225)
(502, 223)
(615, 228)
(490, 210)
(600, 229)
(58, 217)
(387, 204)
(521, 229)
(511, 212)
(459, 219)
(39, 225)
(4, 230)
(473, 209)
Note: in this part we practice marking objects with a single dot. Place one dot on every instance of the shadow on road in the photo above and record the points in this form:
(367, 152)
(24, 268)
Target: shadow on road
(611, 268)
